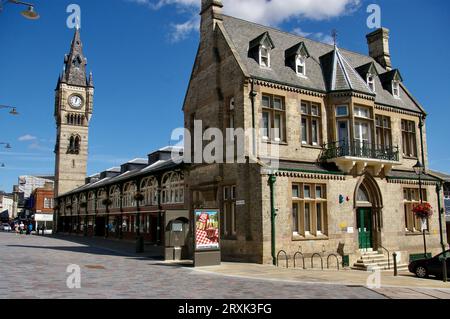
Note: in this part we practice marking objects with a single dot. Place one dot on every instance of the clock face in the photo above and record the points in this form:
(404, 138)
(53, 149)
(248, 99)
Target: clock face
(75, 101)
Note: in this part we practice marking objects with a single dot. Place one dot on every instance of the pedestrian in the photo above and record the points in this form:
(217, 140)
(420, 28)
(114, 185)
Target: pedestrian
(30, 228)
(43, 229)
(21, 227)
(16, 228)
(38, 229)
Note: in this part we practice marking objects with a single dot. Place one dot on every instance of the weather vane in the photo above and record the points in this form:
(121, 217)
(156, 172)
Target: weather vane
(334, 34)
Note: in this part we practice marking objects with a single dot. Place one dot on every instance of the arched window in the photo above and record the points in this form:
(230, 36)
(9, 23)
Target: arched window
(114, 195)
(77, 145)
(75, 205)
(101, 195)
(129, 191)
(149, 189)
(363, 195)
(172, 188)
(71, 145)
(91, 202)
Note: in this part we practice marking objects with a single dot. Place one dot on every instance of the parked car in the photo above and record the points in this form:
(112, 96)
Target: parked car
(422, 268)
(5, 227)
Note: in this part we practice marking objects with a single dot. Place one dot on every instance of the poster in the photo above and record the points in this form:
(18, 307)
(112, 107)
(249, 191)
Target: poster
(206, 229)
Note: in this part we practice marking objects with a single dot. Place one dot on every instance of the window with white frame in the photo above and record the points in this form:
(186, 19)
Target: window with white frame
(149, 189)
(309, 209)
(172, 188)
(300, 65)
(341, 110)
(411, 198)
(310, 123)
(371, 82)
(129, 191)
(273, 122)
(48, 202)
(396, 89)
(114, 196)
(264, 56)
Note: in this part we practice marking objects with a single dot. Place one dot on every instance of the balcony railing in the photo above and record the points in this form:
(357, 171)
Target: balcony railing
(360, 149)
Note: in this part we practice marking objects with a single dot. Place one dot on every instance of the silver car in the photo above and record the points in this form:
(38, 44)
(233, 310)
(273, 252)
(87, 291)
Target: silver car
(5, 227)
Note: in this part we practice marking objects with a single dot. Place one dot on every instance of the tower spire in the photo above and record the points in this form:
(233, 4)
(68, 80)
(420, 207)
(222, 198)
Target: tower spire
(75, 62)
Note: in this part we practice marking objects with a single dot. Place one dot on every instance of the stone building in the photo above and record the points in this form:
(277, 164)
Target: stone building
(348, 134)
(42, 200)
(73, 110)
(346, 131)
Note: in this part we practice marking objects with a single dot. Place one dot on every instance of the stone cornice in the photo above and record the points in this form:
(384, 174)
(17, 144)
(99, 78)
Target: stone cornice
(287, 88)
(395, 110)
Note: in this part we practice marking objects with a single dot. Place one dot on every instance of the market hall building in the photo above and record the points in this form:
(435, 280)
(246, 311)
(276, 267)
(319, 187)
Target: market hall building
(348, 132)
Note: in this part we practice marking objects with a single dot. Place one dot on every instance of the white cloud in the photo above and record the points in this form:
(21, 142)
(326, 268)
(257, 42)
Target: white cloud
(267, 12)
(318, 36)
(27, 138)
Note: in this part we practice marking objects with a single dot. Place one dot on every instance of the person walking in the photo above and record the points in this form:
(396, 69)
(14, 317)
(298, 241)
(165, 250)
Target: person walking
(30, 228)
(43, 229)
(21, 227)
(38, 229)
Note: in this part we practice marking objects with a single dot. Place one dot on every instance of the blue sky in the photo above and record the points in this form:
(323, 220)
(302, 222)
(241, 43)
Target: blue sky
(141, 53)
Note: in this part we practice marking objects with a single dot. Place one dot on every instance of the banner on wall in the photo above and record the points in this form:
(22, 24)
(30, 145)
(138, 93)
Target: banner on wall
(206, 229)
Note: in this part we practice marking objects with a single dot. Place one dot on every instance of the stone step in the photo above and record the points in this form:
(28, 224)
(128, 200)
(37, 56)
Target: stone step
(401, 267)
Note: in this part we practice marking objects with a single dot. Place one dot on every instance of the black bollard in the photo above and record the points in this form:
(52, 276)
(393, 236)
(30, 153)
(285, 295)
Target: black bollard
(394, 255)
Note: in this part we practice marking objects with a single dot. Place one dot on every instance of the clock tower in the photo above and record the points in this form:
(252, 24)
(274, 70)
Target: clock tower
(73, 110)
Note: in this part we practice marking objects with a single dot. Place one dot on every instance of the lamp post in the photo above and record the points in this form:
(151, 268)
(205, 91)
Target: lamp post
(419, 169)
(13, 110)
(30, 13)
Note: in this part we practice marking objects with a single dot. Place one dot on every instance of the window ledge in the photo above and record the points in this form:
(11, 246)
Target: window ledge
(316, 147)
(274, 142)
(309, 237)
(416, 233)
(410, 157)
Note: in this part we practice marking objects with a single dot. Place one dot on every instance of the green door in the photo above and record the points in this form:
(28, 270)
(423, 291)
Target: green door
(364, 228)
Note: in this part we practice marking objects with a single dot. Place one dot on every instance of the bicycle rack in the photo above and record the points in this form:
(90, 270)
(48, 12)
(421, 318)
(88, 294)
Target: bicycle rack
(328, 260)
(312, 260)
(285, 254)
(303, 258)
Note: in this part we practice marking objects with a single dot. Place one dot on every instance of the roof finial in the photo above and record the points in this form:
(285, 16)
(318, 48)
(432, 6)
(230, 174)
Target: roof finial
(334, 34)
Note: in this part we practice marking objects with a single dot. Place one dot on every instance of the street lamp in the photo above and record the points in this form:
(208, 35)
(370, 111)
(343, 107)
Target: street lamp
(13, 109)
(30, 13)
(420, 169)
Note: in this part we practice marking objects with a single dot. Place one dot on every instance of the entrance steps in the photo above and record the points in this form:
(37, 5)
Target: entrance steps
(374, 260)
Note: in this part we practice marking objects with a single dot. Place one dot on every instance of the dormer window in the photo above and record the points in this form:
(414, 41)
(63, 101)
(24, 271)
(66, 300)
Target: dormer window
(295, 58)
(300, 65)
(396, 89)
(371, 82)
(259, 49)
(264, 56)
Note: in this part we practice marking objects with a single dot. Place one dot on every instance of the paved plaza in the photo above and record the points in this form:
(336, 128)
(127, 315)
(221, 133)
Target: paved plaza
(36, 267)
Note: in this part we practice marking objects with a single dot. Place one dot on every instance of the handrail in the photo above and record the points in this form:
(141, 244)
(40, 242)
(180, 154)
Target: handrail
(357, 148)
(388, 253)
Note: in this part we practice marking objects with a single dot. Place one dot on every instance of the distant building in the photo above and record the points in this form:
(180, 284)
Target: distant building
(42, 206)
(7, 206)
(23, 191)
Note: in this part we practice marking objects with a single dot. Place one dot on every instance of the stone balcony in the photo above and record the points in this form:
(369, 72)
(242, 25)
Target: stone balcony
(349, 155)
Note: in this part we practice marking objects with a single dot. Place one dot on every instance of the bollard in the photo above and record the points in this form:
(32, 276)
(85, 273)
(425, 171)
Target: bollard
(444, 269)
(394, 255)
(140, 244)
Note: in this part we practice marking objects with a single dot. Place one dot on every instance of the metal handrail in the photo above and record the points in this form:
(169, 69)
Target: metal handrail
(285, 254)
(356, 148)
(388, 253)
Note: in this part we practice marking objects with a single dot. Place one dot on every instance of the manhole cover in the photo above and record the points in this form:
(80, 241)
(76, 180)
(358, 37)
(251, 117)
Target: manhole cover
(94, 266)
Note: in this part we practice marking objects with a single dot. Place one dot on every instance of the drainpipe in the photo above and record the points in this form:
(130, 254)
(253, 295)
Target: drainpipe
(272, 180)
(421, 123)
(252, 98)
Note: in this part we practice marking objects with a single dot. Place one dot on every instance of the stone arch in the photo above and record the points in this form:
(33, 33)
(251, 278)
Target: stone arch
(372, 189)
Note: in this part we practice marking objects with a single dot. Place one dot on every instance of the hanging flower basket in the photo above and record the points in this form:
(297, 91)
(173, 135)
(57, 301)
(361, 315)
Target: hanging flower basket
(423, 211)
(139, 197)
(106, 202)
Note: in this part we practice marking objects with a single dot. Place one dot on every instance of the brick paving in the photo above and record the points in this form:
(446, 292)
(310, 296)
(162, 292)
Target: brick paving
(35, 267)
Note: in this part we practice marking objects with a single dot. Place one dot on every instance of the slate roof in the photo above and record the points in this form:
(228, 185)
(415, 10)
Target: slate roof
(399, 174)
(318, 65)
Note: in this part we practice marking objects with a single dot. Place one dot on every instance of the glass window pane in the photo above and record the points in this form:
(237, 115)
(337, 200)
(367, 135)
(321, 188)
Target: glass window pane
(318, 191)
(314, 130)
(277, 103)
(341, 110)
(319, 216)
(266, 101)
(265, 124)
(307, 191)
(277, 127)
(304, 108)
(295, 218)
(307, 218)
(295, 191)
(304, 130)
(315, 110)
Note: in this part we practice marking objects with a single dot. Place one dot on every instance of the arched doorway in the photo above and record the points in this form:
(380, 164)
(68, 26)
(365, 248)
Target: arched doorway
(368, 207)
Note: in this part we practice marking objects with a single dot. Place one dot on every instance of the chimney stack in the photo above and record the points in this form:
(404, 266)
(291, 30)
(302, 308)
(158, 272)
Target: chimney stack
(378, 42)
(211, 12)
